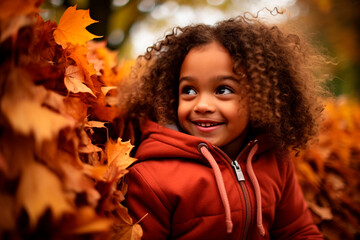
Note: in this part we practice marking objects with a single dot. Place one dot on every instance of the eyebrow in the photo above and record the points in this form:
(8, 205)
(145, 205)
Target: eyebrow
(217, 78)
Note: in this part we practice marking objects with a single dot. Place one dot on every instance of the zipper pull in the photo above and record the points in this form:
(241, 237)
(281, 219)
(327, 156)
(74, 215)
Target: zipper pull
(238, 171)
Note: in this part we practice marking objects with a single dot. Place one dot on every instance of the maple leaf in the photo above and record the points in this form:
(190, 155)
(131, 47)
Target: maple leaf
(39, 189)
(124, 227)
(127, 232)
(28, 117)
(119, 153)
(72, 28)
(79, 55)
(74, 79)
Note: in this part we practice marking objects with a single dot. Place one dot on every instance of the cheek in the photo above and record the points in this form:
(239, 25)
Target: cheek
(181, 113)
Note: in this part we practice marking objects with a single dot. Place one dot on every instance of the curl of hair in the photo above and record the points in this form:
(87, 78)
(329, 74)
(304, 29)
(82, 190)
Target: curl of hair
(282, 85)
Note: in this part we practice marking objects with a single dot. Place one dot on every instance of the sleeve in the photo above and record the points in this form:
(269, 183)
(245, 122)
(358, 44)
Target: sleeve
(145, 197)
(293, 219)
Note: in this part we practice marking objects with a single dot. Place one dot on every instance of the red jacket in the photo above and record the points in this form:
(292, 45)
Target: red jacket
(194, 192)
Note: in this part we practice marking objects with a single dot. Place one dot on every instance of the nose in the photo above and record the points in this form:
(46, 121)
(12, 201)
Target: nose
(204, 104)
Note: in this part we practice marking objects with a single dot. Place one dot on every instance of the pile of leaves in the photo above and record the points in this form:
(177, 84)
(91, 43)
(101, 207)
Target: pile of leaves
(329, 172)
(61, 156)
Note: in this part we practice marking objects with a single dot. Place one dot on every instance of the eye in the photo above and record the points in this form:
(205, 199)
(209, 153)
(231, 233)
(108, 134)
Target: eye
(188, 91)
(224, 90)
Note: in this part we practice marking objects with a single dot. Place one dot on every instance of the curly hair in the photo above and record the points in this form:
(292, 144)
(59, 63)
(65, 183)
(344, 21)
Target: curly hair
(282, 87)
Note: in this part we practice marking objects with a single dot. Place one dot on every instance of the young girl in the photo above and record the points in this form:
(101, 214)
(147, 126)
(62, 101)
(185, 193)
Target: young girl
(218, 108)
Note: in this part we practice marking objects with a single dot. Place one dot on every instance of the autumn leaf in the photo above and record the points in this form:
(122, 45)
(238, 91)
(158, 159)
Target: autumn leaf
(119, 153)
(79, 55)
(124, 228)
(31, 118)
(72, 28)
(103, 59)
(74, 79)
(39, 189)
(127, 232)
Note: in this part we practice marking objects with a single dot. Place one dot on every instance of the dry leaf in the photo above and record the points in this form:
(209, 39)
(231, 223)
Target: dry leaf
(74, 78)
(127, 232)
(119, 153)
(72, 28)
(31, 118)
(40, 189)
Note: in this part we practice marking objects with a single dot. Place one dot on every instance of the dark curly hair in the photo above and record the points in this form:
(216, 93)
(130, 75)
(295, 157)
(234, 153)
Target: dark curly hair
(282, 87)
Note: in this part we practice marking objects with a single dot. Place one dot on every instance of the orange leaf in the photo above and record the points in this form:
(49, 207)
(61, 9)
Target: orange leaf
(72, 28)
(124, 227)
(119, 153)
(127, 232)
(79, 55)
(74, 79)
(28, 117)
(39, 189)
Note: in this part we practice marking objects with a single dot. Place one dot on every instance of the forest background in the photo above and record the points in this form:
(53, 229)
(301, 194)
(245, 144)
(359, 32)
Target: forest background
(63, 149)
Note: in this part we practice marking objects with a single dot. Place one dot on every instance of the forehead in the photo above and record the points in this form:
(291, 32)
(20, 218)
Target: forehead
(209, 58)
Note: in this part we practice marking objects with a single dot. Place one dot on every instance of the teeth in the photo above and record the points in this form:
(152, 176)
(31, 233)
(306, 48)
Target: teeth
(207, 124)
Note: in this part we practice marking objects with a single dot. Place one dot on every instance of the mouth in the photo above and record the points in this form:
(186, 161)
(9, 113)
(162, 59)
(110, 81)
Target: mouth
(207, 124)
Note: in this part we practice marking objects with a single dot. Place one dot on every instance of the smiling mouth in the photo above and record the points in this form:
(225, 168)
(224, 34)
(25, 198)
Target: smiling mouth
(206, 124)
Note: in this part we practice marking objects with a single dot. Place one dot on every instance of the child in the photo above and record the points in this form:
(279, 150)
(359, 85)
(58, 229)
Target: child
(218, 108)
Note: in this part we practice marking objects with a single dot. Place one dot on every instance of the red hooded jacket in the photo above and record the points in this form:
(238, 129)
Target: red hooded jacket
(192, 190)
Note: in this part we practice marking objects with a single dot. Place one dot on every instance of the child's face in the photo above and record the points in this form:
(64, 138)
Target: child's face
(211, 99)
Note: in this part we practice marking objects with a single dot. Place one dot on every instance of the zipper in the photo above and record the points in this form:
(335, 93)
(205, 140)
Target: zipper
(241, 179)
(238, 172)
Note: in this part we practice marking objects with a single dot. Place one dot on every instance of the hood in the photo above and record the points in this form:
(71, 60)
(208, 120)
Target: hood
(159, 142)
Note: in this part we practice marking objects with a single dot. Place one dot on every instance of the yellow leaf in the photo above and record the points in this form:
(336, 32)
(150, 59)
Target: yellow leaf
(96, 172)
(39, 189)
(127, 232)
(103, 59)
(72, 27)
(119, 153)
(74, 79)
(79, 55)
(124, 227)
(28, 117)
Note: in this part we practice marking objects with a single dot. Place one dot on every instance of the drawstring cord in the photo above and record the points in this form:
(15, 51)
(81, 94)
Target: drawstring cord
(256, 185)
(203, 148)
(221, 186)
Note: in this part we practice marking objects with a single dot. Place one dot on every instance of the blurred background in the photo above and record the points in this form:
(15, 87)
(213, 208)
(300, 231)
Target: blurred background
(130, 26)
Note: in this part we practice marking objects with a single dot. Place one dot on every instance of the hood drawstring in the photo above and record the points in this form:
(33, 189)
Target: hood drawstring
(203, 148)
(221, 186)
(256, 186)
